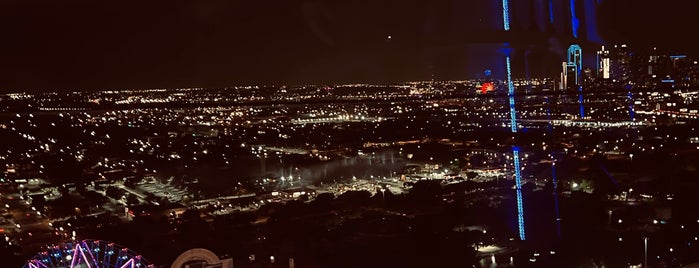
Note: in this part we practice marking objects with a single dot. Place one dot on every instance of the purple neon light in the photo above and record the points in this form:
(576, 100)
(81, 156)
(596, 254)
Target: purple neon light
(87, 261)
(37, 264)
(129, 264)
(87, 254)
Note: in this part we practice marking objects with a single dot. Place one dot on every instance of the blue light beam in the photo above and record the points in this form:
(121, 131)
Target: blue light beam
(511, 93)
(518, 182)
(506, 14)
(574, 21)
(513, 120)
(551, 11)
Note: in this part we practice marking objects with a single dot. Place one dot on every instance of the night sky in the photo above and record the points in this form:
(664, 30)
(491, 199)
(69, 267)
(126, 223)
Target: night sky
(79, 44)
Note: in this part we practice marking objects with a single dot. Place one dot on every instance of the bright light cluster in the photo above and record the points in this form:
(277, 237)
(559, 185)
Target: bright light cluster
(87, 254)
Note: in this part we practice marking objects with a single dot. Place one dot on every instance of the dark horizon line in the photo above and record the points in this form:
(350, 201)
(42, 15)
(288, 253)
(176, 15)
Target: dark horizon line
(643, 49)
(295, 84)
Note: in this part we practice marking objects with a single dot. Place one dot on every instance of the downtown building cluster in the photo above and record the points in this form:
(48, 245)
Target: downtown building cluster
(621, 66)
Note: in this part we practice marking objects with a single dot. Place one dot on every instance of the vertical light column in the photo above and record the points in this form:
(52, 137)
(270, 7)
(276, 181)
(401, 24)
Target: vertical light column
(574, 21)
(506, 14)
(518, 181)
(591, 32)
(551, 11)
(513, 121)
(511, 94)
(513, 112)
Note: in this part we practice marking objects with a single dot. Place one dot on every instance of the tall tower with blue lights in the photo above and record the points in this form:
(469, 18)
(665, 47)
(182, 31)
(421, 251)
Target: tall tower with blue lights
(575, 61)
(538, 32)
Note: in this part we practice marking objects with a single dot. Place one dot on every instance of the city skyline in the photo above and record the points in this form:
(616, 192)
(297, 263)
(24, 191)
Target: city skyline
(81, 45)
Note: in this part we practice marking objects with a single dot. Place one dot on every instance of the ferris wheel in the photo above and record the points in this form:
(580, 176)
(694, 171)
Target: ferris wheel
(87, 254)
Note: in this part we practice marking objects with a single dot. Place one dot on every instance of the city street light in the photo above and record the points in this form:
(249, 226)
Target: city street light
(383, 196)
(610, 217)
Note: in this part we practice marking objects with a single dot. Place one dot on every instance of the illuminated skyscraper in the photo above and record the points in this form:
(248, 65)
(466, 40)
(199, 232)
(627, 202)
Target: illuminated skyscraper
(615, 64)
(603, 64)
(571, 73)
(575, 60)
(538, 33)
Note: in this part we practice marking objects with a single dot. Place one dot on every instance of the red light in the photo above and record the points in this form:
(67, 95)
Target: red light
(485, 87)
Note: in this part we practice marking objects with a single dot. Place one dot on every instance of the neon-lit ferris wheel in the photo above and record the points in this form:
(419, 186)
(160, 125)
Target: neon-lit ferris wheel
(87, 254)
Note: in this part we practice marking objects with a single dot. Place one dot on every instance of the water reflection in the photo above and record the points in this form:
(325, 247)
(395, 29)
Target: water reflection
(376, 165)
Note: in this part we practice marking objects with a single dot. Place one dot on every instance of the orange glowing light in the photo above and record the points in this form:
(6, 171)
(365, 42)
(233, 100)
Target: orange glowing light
(485, 87)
